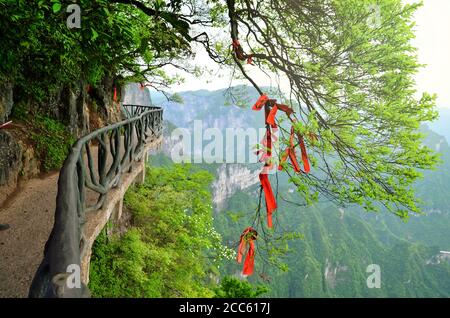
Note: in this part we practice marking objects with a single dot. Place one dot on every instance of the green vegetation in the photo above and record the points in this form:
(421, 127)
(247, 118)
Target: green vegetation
(118, 268)
(52, 141)
(172, 249)
(51, 138)
(345, 241)
(231, 287)
(352, 86)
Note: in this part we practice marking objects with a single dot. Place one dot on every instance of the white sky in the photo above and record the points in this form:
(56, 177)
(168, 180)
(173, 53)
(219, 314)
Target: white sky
(432, 41)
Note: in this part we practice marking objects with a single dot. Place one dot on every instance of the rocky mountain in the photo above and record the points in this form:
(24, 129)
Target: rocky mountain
(339, 245)
(134, 94)
(229, 180)
(214, 110)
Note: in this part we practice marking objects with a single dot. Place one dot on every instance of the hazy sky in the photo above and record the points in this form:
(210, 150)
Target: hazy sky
(433, 42)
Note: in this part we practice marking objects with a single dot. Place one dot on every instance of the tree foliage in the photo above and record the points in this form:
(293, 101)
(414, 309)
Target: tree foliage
(40, 54)
(52, 142)
(231, 287)
(351, 80)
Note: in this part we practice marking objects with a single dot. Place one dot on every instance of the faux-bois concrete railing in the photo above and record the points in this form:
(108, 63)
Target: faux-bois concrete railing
(92, 182)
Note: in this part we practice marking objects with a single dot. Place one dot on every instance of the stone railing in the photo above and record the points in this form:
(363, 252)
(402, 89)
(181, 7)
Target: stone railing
(91, 184)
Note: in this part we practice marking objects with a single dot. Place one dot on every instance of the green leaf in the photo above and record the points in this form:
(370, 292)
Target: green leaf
(56, 7)
(94, 34)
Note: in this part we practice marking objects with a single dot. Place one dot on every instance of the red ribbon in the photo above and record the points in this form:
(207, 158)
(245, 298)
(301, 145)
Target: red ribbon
(88, 88)
(262, 100)
(270, 115)
(240, 54)
(142, 86)
(247, 237)
(270, 199)
(115, 94)
(236, 44)
(238, 50)
(266, 151)
(285, 108)
(290, 152)
(270, 118)
(305, 160)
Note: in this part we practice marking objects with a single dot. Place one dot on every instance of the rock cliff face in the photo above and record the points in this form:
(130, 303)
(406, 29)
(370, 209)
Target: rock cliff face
(232, 178)
(443, 256)
(87, 108)
(10, 153)
(133, 94)
(6, 101)
(332, 271)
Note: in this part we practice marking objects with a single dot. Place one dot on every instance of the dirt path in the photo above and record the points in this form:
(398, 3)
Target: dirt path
(30, 213)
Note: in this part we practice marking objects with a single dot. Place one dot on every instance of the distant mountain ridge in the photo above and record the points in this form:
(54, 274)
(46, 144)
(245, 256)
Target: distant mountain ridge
(442, 125)
(214, 108)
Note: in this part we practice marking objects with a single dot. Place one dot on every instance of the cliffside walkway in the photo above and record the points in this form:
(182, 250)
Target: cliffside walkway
(66, 213)
(30, 214)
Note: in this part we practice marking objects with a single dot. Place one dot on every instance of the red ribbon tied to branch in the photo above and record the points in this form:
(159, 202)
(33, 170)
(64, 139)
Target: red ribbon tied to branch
(266, 151)
(270, 118)
(267, 142)
(247, 238)
(271, 204)
(262, 100)
(240, 54)
(142, 86)
(270, 115)
(290, 152)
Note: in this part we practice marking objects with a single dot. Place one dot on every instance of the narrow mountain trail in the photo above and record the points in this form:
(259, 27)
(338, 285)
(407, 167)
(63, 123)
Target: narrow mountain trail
(30, 214)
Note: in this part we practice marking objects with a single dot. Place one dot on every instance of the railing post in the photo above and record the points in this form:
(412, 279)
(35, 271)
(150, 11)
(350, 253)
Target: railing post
(117, 214)
(140, 179)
